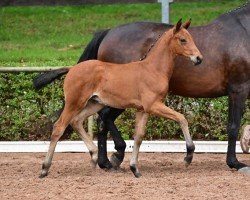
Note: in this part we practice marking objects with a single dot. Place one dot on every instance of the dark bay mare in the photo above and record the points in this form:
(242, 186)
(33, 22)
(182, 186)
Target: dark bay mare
(225, 71)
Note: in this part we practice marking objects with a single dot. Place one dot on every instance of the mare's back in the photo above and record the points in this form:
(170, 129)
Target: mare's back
(129, 42)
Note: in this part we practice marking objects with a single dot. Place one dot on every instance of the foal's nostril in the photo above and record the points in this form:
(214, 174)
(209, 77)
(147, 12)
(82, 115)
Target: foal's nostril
(198, 60)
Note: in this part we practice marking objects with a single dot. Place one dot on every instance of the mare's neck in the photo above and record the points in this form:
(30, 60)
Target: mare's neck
(161, 56)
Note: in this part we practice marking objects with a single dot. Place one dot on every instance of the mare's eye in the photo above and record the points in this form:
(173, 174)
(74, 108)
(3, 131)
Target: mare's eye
(183, 41)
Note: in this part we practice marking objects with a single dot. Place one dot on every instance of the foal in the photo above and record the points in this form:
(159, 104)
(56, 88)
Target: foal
(143, 85)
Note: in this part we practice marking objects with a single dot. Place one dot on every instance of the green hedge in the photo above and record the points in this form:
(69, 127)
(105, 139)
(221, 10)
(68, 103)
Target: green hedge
(27, 114)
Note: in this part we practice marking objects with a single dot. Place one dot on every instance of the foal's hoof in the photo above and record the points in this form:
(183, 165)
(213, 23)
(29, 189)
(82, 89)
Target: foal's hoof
(43, 174)
(137, 174)
(93, 163)
(94, 158)
(135, 171)
(188, 159)
(115, 161)
(244, 170)
(245, 139)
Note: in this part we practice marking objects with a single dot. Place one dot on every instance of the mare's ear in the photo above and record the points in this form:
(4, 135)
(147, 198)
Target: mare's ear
(178, 26)
(187, 24)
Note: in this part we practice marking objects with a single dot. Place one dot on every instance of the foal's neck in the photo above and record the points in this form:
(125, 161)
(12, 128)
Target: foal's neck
(161, 57)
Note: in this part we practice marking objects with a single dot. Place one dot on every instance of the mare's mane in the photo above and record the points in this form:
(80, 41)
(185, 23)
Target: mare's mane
(155, 41)
(236, 11)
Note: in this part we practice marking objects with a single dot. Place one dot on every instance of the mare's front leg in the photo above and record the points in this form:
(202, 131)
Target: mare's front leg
(141, 121)
(161, 110)
(108, 116)
(237, 99)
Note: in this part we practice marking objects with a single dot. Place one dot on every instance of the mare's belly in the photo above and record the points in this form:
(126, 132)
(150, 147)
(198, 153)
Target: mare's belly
(198, 82)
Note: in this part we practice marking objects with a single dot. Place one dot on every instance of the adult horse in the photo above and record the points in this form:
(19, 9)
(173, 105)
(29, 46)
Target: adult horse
(225, 42)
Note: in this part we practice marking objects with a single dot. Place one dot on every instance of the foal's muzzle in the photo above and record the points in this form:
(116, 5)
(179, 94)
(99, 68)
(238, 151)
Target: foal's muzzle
(196, 59)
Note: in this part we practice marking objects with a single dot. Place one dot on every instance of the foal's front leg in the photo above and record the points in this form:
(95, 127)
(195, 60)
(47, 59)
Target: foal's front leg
(161, 110)
(141, 121)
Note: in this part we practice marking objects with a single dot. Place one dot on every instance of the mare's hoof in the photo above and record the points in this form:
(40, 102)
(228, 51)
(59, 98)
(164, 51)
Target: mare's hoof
(244, 170)
(43, 174)
(135, 171)
(105, 165)
(245, 139)
(115, 161)
(188, 159)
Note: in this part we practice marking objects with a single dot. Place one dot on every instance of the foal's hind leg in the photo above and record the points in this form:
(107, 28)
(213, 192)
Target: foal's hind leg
(90, 109)
(141, 121)
(160, 109)
(58, 131)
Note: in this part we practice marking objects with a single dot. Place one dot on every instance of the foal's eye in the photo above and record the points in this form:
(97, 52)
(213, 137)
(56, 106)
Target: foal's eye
(183, 41)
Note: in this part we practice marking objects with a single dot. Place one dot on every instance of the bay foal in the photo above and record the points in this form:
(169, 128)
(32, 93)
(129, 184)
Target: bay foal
(143, 85)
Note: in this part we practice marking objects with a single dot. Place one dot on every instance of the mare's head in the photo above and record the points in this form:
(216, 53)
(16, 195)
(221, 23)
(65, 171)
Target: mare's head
(183, 44)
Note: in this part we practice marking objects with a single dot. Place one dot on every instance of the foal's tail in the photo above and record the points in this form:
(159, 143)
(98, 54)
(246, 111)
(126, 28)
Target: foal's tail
(89, 53)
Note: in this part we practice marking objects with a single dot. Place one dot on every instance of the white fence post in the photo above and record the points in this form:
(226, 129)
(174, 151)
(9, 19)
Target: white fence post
(165, 11)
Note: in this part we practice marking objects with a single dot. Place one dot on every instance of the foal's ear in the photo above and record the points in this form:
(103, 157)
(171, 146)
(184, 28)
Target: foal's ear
(187, 24)
(178, 26)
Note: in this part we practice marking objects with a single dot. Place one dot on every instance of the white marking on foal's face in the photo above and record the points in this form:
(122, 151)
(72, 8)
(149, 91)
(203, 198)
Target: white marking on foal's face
(194, 59)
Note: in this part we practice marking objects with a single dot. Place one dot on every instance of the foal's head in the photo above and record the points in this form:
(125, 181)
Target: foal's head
(182, 42)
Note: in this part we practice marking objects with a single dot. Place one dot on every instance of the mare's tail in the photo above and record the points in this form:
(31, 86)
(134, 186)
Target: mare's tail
(89, 53)
(48, 77)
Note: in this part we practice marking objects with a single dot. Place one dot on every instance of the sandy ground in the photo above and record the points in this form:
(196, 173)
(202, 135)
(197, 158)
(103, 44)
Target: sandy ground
(164, 177)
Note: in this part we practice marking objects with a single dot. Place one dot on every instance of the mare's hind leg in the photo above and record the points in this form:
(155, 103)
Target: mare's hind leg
(102, 135)
(90, 109)
(108, 116)
(141, 121)
(160, 109)
(58, 131)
